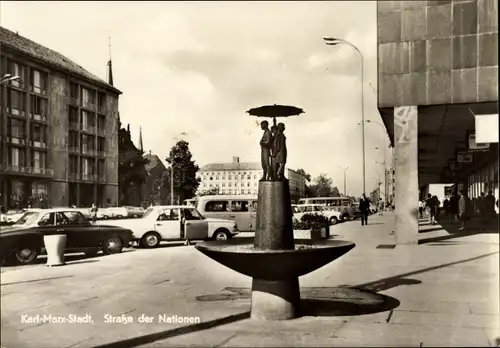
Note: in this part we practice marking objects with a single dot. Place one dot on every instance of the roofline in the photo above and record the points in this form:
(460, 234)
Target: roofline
(67, 71)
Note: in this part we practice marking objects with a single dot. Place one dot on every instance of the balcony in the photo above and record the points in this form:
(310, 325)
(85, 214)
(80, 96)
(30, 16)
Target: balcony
(89, 152)
(23, 170)
(73, 149)
(74, 126)
(39, 118)
(86, 104)
(89, 177)
(17, 139)
(15, 112)
(38, 144)
(89, 129)
(74, 176)
(38, 90)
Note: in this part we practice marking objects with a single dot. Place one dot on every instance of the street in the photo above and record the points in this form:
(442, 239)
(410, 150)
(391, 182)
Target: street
(445, 295)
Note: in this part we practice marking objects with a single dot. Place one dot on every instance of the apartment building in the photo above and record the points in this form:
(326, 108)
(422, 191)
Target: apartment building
(58, 129)
(240, 178)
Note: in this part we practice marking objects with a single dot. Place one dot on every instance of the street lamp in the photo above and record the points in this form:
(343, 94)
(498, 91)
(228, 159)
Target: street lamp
(345, 172)
(331, 41)
(9, 77)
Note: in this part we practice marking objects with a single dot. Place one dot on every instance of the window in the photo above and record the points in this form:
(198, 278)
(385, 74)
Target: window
(236, 177)
(217, 206)
(74, 217)
(169, 215)
(242, 192)
(255, 176)
(100, 167)
(73, 164)
(249, 177)
(38, 105)
(16, 128)
(101, 122)
(38, 160)
(73, 115)
(229, 185)
(38, 81)
(239, 206)
(87, 119)
(38, 132)
(248, 184)
(73, 138)
(101, 144)
(211, 178)
(16, 102)
(87, 97)
(101, 101)
(223, 177)
(47, 219)
(14, 156)
(191, 214)
(223, 185)
(229, 177)
(17, 70)
(73, 90)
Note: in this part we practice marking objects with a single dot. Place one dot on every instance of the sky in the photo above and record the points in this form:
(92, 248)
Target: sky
(197, 67)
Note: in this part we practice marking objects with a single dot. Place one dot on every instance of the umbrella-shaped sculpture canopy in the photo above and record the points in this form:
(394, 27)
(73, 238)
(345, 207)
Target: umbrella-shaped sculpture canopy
(275, 111)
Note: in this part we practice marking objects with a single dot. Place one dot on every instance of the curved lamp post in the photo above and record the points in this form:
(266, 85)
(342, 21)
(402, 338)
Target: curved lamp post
(331, 41)
(345, 173)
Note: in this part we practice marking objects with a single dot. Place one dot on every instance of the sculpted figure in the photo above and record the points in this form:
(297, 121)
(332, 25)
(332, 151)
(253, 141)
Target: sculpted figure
(280, 151)
(265, 147)
(274, 166)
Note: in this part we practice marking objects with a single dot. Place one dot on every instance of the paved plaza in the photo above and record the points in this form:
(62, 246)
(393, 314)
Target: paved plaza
(443, 292)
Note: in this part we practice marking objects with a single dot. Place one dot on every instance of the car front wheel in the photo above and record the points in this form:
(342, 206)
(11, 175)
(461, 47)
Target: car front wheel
(26, 255)
(112, 245)
(333, 220)
(221, 234)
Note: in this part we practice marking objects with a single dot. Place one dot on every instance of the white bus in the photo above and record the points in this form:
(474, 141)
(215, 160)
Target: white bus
(343, 204)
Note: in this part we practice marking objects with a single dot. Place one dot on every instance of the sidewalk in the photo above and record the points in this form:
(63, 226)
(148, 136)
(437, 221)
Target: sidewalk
(435, 294)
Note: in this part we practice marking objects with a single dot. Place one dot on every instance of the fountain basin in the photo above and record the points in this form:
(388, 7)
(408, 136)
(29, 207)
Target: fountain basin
(240, 255)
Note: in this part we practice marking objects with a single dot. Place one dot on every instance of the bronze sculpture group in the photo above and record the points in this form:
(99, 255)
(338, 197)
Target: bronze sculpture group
(273, 152)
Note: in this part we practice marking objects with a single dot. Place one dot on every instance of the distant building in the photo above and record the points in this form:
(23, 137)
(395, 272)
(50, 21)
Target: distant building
(131, 171)
(155, 190)
(58, 129)
(242, 178)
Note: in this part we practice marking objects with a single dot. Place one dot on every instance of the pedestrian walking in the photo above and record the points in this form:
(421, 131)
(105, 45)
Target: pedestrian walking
(381, 207)
(489, 201)
(364, 208)
(421, 208)
(463, 210)
(454, 208)
(93, 211)
(430, 203)
(446, 208)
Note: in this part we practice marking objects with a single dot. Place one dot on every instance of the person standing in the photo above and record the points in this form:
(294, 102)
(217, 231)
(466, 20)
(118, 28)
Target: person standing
(446, 208)
(274, 166)
(421, 208)
(280, 150)
(430, 202)
(463, 210)
(454, 208)
(93, 211)
(490, 205)
(364, 208)
(266, 142)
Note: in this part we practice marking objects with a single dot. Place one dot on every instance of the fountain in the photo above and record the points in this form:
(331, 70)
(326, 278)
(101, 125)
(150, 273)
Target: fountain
(275, 260)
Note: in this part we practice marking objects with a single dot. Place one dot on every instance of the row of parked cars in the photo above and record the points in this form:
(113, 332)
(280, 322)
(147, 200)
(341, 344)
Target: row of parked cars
(22, 242)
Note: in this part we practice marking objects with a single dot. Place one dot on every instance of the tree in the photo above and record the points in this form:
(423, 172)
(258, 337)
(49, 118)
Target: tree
(185, 181)
(323, 187)
(211, 192)
(305, 174)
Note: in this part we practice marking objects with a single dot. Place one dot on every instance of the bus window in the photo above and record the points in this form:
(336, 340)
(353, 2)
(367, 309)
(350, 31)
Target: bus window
(302, 201)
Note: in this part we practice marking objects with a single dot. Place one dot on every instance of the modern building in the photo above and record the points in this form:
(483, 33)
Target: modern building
(58, 129)
(437, 83)
(238, 178)
(155, 188)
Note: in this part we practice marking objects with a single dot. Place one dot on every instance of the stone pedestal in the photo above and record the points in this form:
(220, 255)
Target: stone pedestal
(55, 245)
(274, 300)
(406, 174)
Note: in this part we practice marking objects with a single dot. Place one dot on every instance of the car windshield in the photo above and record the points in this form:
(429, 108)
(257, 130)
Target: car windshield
(318, 208)
(14, 212)
(28, 218)
(148, 212)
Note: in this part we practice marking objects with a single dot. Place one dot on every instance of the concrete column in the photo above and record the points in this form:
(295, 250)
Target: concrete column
(406, 167)
(78, 195)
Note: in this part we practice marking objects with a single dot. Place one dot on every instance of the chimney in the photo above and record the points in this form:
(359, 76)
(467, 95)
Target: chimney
(236, 159)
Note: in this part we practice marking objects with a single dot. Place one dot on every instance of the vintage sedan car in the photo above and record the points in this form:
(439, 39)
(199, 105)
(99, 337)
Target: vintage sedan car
(11, 216)
(23, 241)
(300, 209)
(174, 223)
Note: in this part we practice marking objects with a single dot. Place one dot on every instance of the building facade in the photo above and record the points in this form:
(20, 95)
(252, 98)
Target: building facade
(58, 129)
(437, 76)
(156, 188)
(238, 178)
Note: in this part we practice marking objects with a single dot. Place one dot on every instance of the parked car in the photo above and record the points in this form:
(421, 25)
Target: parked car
(176, 222)
(116, 212)
(242, 209)
(333, 215)
(12, 216)
(134, 212)
(23, 241)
